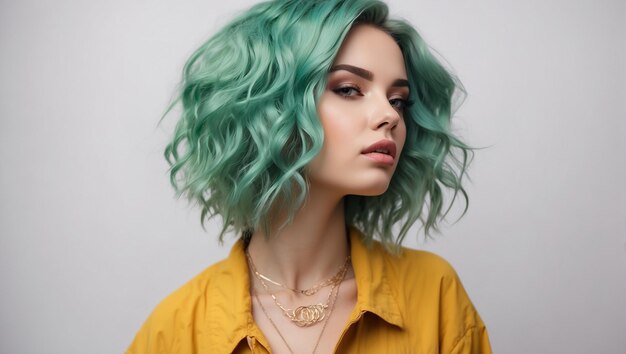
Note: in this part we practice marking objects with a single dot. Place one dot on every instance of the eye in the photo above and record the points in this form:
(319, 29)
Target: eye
(399, 104)
(348, 91)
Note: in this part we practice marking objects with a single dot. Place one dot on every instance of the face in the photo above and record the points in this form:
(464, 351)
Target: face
(361, 112)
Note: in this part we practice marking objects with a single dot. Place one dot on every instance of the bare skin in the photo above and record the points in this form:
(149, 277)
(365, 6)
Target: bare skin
(355, 113)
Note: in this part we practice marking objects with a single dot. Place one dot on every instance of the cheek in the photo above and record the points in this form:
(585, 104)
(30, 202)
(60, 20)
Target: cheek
(338, 124)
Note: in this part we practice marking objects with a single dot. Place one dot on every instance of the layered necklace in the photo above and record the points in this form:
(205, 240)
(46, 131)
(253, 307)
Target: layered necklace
(307, 315)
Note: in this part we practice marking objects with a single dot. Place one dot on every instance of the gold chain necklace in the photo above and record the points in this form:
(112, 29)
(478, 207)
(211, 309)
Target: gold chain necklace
(308, 292)
(319, 338)
(307, 315)
(303, 316)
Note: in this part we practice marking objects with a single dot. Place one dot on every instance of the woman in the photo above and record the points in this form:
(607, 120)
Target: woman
(312, 128)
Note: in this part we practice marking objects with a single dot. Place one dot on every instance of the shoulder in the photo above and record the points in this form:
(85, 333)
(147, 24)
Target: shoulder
(183, 299)
(410, 267)
(421, 260)
(171, 325)
(431, 276)
(426, 285)
(416, 272)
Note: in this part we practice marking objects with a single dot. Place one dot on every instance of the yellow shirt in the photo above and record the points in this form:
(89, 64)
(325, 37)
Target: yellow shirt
(408, 303)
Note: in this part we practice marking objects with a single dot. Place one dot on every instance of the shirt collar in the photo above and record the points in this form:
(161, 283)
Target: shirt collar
(374, 292)
(233, 321)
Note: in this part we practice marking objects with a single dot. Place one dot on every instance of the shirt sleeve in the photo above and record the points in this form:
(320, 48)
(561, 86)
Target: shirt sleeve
(151, 338)
(463, 331)
(475, 341)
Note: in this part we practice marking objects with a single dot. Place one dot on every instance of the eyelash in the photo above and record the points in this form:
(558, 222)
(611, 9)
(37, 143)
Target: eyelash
(338, 91)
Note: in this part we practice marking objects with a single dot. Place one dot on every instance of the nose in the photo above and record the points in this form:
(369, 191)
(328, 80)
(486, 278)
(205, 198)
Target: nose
(384, 116)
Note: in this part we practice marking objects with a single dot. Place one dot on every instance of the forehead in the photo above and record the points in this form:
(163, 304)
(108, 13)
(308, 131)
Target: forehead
(372, 49)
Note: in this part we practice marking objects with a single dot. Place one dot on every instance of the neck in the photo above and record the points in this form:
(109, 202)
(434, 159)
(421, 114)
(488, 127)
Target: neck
(311, 248)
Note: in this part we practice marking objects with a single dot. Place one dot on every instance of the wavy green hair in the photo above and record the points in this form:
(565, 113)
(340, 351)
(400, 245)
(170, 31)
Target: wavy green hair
(249, 125)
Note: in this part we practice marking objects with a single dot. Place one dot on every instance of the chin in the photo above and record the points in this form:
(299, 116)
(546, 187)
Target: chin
(373, 189)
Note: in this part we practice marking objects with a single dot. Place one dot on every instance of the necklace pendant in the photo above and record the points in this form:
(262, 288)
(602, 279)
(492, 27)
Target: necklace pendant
(304, 316)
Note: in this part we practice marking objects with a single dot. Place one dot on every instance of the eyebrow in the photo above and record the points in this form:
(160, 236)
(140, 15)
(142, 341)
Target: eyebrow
(366, 74)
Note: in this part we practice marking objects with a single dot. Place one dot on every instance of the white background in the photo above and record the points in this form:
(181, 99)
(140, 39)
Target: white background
(91, 238)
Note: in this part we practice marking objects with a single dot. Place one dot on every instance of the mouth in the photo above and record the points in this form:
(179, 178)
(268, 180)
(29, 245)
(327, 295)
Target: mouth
(383, 151)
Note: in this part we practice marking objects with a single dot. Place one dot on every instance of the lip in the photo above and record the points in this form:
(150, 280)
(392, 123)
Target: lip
(384, 144)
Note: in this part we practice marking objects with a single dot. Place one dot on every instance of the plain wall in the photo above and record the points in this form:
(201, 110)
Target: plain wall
(92, 238)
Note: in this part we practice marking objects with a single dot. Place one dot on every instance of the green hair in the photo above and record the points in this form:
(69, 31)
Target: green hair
(249, 125)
